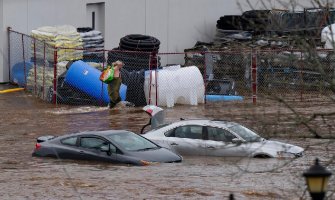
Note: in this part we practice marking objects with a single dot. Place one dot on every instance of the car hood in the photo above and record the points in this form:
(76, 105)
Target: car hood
(156, 155)
(279, 149)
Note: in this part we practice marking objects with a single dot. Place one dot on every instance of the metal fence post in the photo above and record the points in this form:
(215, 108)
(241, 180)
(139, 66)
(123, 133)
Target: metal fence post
(35, 70)
(156, 86)
(254, 76)
(154, 64)
(301, 77)
(102, 83)
(24, 62)
(9, 68)
(44, 64)
(205, 76)
(150, 80)
(54, 97)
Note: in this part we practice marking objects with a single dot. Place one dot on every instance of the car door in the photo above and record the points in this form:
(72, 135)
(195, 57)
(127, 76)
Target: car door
(186, 140)
(219, 143)
(90, 148)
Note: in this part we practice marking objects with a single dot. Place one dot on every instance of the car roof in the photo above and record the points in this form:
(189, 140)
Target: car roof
(99, 133)
(207, 122)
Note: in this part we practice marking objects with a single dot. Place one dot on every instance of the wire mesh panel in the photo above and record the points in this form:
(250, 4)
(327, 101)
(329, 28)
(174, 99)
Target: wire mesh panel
(221, 75)
(31, 66)
(64, 75)
(274, 69)
(175, 82)
(133, 60)
(231, 66)
(79, 84)
(136, 63)
(41, 77)
(294, 74)
(19, 58)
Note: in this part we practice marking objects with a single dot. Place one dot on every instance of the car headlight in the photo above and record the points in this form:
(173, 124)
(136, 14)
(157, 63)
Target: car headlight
(284, 154)
(145, 163)
(299, 154)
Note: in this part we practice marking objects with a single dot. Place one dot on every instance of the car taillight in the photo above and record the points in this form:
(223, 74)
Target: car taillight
(37, 146)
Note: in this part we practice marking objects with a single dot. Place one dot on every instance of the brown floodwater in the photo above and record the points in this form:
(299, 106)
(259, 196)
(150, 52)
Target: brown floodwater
(23, 118)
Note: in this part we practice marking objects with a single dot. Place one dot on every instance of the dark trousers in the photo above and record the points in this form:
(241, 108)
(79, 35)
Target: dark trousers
(113, 91)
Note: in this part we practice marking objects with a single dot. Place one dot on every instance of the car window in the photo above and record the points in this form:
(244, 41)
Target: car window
(70, 141)
(131, 141)
(170, 133)
(245, 133)
(219, 134)
(113, 149)
(158, 127)
(92, 142)
(188, 131)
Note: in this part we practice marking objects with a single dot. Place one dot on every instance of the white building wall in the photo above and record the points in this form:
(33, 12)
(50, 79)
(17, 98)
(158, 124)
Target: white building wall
(3, 72)
(178, 24)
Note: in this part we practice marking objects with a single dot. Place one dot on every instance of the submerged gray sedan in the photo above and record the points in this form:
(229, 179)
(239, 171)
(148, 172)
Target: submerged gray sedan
(114, 146)
(218, 138)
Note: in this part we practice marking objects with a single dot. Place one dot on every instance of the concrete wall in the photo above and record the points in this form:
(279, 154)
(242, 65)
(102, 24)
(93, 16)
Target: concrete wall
(178, 24)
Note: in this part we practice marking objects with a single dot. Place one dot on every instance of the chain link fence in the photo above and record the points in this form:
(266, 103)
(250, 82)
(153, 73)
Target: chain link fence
(31, 64)
(295, 74)
(70, 75)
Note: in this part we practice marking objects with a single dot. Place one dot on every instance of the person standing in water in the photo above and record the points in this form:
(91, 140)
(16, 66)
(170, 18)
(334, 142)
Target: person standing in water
(115, 84)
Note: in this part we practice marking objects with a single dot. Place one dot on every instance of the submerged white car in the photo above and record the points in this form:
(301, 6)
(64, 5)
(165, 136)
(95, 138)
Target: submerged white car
(218, 138)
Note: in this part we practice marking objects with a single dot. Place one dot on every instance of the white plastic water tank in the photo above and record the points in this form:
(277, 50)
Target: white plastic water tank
(175, 85)
(327, 36)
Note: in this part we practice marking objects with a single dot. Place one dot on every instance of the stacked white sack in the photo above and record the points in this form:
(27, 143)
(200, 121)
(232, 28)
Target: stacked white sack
(64, 38)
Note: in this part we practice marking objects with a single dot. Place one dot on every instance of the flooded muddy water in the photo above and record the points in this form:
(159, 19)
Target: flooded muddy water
(23, 118)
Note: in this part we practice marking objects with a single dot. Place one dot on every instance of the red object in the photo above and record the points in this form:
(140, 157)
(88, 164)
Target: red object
(149, 111)
(37, 146)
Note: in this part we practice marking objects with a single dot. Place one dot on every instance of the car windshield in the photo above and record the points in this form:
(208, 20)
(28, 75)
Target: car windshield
(131, 141)
(245, 133)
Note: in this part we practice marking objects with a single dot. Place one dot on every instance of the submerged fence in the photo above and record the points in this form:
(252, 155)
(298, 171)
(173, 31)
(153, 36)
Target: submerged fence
(55, 74)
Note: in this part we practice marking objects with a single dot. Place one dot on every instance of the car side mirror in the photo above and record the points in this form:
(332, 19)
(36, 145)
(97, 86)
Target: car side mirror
(237, 141)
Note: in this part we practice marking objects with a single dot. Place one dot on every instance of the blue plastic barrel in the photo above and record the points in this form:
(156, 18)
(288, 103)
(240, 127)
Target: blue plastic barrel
(86, 78)
(18, 72)
(223, 98)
